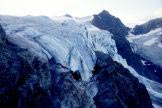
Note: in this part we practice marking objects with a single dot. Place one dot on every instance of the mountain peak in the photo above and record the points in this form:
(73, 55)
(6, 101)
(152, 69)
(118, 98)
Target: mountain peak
(104, 20)
(105, 12)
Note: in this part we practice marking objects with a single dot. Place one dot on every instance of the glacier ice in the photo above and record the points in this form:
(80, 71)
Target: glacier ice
(71, 42)
(46, 38)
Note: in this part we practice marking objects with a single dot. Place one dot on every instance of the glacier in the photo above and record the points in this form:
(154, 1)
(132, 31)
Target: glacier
(71, 41)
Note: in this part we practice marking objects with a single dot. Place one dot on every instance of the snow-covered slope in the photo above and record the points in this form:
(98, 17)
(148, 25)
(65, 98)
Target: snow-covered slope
(148, 45)
(71, 41)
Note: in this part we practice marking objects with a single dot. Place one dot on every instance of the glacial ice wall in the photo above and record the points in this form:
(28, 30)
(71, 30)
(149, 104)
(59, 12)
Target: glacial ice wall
(71, 43)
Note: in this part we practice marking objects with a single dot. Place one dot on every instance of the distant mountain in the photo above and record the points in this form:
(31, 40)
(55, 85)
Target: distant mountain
(147, 27)
(146, 40)
(148, 45)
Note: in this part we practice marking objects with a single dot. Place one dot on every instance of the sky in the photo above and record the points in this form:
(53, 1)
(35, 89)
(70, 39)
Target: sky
(131, 12)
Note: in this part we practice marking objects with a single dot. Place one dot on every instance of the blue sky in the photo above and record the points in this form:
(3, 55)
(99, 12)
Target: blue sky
(131, 12)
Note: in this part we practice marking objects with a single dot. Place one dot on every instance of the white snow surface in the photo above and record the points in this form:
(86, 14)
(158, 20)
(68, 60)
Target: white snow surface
(71, 41)
(148, 45)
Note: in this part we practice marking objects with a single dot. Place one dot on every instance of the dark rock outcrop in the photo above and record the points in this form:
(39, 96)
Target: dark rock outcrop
(22, 85)
(147, 27)
(118, 88)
